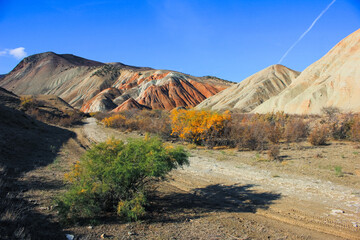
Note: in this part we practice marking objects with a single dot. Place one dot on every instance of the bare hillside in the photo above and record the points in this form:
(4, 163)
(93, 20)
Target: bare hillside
(331, 81)
(254, 90)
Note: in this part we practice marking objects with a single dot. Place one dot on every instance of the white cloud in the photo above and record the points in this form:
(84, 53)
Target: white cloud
(17, 53)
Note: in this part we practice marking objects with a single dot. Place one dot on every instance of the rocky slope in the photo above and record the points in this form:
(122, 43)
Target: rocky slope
(25, 144)
(154, 89)
(130, 104)
(94, 86)
(252, 91)
(334, 80)
(9, 99)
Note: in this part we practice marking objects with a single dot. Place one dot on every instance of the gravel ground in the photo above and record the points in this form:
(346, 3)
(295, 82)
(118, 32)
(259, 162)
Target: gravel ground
(222, 180)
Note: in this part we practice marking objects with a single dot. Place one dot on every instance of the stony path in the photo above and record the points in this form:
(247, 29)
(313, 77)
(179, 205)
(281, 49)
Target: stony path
(303, 201)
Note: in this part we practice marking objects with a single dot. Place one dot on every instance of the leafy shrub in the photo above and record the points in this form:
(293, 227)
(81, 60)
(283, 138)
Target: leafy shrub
(154, 121)
(114, 177)
(295, 130)
(319, 135)
(273, 132)
(27, 102)
(255, 131)
(116, 121)
(354, 131)
(340, 127)
(330, 111)
(252, 136)
(198, 126)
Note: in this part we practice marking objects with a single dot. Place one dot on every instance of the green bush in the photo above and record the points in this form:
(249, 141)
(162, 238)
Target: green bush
(114, 177)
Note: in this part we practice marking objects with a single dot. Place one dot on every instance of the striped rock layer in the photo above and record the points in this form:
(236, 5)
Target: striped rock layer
(95, 86)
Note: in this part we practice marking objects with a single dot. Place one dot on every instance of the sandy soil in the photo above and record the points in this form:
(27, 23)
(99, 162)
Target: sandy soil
(227, 194)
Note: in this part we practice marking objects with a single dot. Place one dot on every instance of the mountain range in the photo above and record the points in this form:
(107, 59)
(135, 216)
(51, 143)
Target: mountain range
(94, 86)
(332, 81)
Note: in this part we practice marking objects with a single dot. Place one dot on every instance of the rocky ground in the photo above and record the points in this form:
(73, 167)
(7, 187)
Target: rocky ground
(227, 194)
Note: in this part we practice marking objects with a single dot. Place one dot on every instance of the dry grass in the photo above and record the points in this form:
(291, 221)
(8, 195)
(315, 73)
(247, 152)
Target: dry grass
(274, 152)
(155, 121)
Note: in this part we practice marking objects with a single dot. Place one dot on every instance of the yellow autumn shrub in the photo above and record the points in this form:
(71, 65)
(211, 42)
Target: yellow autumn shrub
(115, 121)
(198, 125)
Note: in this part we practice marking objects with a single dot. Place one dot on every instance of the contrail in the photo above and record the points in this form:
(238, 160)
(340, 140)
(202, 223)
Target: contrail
(308, 30)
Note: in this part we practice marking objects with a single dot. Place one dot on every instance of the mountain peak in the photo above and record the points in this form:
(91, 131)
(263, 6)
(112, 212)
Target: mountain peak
(64, 58)
(253, 91)
(332, 81)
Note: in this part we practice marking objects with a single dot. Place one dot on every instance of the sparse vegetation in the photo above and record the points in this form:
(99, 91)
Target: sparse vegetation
(266, 133)
(296, 130)
(27, 102)
(330, 111)
(42, 111)
(274, 152)
(64, 119)
(244, 131)
(354, 131)
(115, 177)
(155, 121)
(319, 135)
(338, 171)
(105, 70)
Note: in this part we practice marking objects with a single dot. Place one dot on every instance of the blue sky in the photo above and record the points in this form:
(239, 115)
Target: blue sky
(231, 39)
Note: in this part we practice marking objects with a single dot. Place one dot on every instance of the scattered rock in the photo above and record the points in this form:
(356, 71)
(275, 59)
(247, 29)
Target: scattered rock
(90, 227)
(69, 236)
(104, 236)
(336, 211)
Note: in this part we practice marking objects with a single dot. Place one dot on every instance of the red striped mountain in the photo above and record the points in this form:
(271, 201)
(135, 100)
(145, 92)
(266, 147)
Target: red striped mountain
(130, 104)
(95, 86)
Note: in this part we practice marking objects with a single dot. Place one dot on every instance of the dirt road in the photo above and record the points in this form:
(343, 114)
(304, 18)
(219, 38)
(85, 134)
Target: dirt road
(229, 185)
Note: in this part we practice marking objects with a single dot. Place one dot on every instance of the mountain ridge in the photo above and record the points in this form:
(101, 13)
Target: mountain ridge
(332, 81)
(84, 83)
(252, 91)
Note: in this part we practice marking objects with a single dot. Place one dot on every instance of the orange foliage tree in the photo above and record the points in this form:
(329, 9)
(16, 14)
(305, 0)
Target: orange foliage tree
(198, 125)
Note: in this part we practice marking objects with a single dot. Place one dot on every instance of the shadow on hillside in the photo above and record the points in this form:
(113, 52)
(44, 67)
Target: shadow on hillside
(213, 198)
(25, 144)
